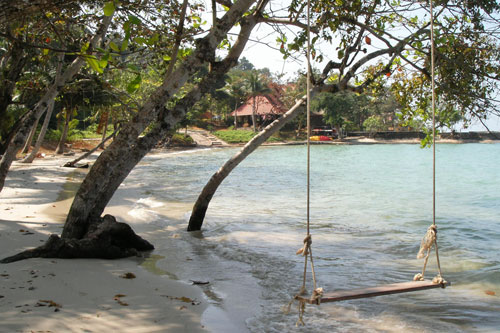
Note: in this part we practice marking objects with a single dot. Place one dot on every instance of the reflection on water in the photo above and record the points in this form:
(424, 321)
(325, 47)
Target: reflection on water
(370, 207)
(73, 181)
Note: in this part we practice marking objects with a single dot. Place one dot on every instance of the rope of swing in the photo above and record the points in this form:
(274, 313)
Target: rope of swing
(430, 237)
(306, 250)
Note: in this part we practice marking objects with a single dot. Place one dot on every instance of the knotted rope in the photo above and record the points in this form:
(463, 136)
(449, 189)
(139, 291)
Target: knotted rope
(306, 252)
(431, 234)
(429, 239)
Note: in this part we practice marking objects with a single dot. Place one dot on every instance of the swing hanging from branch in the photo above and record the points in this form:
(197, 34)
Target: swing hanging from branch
(318, 296)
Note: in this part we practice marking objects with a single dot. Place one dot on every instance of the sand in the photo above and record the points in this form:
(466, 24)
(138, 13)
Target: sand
(81, 295)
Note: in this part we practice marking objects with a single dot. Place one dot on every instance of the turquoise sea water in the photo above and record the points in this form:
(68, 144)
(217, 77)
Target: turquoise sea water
(370, 207)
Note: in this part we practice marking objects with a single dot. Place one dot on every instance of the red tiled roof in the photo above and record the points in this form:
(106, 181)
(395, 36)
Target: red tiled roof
(264, 105)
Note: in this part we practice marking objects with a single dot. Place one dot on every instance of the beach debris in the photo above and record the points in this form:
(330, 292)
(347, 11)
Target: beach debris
(183, 299)
(490, 292)
(4, 275)
(199, 282)
(2, 296)
(128, 276)
(49, 303)
(118, 300)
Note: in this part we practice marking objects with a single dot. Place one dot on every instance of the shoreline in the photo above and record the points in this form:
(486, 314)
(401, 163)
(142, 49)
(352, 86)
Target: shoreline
(344, 142)
(80, 294)
(90, 294)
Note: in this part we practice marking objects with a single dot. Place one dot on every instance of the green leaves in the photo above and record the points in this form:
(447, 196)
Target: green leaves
(95, 64)
(114, 47)
(109, 8)
(134, 84)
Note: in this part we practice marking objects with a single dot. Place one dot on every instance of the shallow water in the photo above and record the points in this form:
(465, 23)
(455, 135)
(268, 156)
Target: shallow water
(370, 207)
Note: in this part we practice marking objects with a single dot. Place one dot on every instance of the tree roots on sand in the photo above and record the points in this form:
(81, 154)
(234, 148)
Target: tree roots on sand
(106, 239)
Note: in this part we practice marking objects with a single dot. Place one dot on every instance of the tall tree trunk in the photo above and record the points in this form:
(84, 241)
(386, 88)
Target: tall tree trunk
(29, 119)
(31, 157)
(254, 117)
(64, 134)
(29, 141)
(235, 115)
(201, 205)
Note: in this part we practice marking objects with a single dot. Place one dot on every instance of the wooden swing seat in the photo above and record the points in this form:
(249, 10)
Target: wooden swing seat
(387, 289)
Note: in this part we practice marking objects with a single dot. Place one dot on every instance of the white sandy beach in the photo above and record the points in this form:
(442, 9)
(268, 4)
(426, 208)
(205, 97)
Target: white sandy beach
(83, 295)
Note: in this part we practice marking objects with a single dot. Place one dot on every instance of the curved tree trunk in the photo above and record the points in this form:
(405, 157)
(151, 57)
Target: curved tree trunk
(29, 119)
(29, 141)
(201, 205)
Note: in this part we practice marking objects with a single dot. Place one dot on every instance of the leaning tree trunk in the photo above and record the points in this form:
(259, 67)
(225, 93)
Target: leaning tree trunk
(201, 205)
(29, 119)
(29, 141)
(114, 164)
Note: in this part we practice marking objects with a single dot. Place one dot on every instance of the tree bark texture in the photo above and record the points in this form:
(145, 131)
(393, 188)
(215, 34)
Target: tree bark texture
(201, 205)
(127, 149)
(105, 238)
(29, 119)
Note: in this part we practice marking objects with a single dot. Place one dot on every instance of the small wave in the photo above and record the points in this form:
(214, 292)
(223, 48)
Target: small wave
(150, 202)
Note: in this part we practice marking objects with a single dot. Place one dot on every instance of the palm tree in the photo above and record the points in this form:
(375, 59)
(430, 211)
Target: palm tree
(256, 86)
(235, 87)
